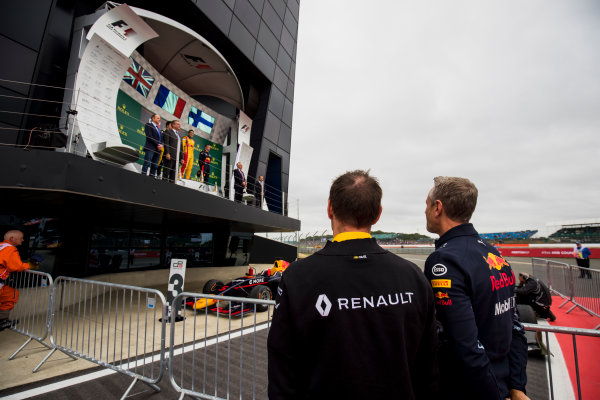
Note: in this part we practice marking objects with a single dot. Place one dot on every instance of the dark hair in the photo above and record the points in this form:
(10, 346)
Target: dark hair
(355, 198)
(458, 196)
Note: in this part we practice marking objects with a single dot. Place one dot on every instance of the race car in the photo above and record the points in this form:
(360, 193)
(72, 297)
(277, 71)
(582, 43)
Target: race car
(252, 285)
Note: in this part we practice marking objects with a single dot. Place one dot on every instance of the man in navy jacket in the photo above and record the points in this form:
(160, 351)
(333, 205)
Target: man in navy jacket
(153, 146)
(483, 351)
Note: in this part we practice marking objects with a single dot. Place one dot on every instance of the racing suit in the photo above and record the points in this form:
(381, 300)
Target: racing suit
(204, 162)
(352, 321)
(483, 350)
(187, 157)
(10, 261)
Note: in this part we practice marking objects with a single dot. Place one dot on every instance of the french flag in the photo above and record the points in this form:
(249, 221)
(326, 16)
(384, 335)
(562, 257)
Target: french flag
(169, 101)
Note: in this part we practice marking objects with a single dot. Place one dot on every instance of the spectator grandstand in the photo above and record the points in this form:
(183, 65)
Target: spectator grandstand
(586, 234)
(516, 235)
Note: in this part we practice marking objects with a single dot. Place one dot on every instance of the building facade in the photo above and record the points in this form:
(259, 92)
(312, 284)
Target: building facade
(88, 216)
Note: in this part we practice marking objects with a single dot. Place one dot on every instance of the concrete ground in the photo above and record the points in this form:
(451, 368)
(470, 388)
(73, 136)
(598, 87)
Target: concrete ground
(80, 331)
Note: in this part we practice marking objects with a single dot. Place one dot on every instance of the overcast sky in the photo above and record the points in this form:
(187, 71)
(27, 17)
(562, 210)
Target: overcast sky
(505, 93)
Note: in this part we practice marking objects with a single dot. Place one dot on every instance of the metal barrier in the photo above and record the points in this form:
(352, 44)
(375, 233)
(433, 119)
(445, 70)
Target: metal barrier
(31, 313)
(220, 353)
(114, 326)
(574, 332)
(580, 286)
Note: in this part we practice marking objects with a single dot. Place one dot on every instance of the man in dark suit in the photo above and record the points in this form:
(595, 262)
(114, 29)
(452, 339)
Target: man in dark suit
(170, 141)
(153, 145)
(239, 182)
(259, 191)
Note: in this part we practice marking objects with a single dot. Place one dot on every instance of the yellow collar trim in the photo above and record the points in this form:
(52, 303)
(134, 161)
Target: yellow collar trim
(340, 237)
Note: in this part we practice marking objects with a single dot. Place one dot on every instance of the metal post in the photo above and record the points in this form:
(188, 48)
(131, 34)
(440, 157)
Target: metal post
(576, 367)
(177, 169)
(71, 127)
(571, 283)
(548, 274)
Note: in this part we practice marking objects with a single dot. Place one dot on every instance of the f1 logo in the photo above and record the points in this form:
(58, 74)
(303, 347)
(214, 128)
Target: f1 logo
(123, 26)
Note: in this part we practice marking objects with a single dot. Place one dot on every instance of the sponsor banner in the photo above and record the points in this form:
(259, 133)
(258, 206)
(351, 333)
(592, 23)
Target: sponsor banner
(123, 29)
(104, 62)
(441, 283)
(130, 119)
(244, 128)
(176, 280)
(546, 252)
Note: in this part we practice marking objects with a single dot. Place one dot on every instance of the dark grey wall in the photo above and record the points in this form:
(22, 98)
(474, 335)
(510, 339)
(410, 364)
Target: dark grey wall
(34, 37)
(265, 31)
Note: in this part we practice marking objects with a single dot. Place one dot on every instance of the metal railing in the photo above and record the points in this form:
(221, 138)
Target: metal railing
(216, 352)
(576, 285)
(574, 332)
(220, 353)
(119, 327)
(31, 313)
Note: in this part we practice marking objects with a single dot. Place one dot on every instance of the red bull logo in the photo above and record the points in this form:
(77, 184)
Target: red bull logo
(495, 261)
(441, 295)
(504, 280)
(442, 299)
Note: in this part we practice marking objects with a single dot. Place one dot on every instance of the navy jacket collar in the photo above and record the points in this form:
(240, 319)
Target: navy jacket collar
(460, 230)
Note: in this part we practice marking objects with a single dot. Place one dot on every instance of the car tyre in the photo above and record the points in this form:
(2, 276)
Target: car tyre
(262, 293)
(212, 286)
(526, 314)
(535, 345)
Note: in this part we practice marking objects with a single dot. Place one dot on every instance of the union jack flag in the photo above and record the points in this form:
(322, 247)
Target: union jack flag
(139, 78)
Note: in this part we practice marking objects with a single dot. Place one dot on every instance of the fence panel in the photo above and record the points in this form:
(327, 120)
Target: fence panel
(119, 327)
(575, 333)
(586, 289)
(220, 351)
(30, 315)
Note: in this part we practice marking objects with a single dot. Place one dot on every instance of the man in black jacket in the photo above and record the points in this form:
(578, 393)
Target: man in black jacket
(483, 351)
(533, 292)
(169, 157)
(352, 321)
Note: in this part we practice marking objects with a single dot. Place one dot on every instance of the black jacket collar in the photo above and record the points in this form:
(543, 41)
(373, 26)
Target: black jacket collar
(460, 230)
(350, 247)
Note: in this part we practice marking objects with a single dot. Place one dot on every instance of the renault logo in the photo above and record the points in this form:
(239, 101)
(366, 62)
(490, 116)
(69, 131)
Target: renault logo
(323, 305)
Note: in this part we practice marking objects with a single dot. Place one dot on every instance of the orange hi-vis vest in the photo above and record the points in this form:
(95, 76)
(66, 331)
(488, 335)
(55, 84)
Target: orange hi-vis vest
(10, 260)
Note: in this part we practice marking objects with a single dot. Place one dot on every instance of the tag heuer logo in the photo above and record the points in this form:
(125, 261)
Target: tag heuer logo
(323, 305)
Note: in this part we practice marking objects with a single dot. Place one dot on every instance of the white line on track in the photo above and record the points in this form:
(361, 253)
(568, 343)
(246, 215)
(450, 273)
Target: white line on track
(100, 374)
(561, 381)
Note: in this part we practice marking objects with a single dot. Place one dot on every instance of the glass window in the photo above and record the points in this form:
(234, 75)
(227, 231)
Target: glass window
(144, 250)
(197, 249)
(108, 251)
